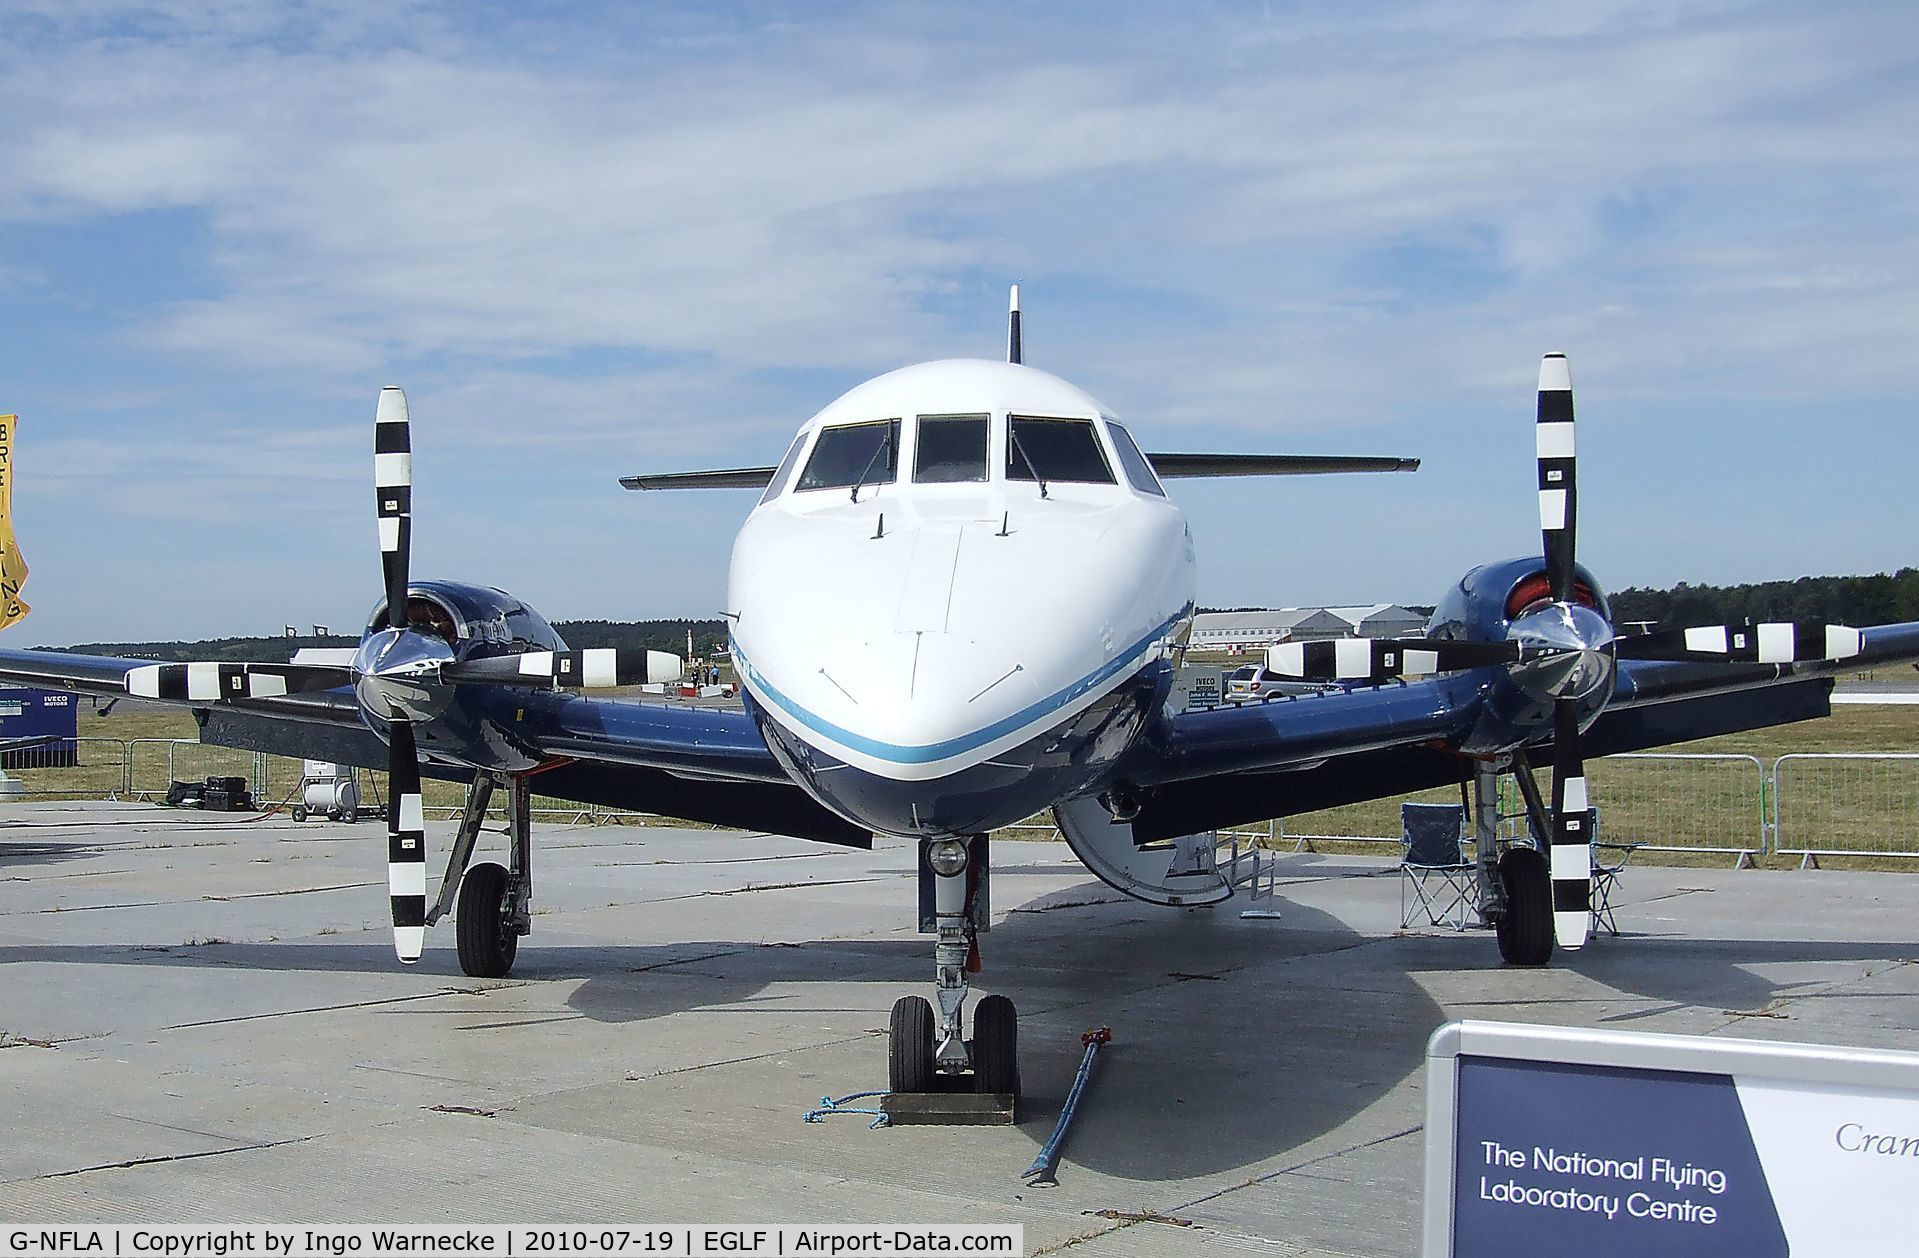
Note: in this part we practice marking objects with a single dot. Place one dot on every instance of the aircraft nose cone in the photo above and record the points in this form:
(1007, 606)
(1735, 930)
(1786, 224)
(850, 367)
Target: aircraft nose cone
(1575, 645)
(396, 675)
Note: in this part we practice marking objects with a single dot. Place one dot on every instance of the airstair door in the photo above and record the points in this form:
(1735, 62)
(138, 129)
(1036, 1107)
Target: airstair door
(1182, 871)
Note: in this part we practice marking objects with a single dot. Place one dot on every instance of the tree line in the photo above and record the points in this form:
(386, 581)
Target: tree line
(625, 635)
(1879, 599)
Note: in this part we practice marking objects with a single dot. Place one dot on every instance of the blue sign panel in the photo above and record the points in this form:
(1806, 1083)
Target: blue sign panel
(1560, 1141)
(50, 718)
(1569, 1160)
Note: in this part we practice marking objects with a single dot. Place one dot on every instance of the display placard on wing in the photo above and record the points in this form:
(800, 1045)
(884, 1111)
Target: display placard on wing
(1561, 1140)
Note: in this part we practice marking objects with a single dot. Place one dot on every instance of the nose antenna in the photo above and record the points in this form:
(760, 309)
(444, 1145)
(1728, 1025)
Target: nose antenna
(1012, 328)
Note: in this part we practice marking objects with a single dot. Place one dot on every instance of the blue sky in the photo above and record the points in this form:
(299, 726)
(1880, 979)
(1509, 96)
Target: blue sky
(599, 239)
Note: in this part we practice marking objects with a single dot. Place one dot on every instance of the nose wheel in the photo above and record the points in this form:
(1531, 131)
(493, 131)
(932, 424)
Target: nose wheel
(910, 1046)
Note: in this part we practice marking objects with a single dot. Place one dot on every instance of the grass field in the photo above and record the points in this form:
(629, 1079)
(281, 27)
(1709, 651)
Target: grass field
(1691, 803)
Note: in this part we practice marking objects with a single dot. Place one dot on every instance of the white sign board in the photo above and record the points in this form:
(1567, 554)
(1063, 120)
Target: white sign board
(1557, 1140)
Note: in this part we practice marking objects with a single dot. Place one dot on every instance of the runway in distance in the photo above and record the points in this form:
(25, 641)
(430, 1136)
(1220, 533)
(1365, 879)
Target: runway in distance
(960, 600)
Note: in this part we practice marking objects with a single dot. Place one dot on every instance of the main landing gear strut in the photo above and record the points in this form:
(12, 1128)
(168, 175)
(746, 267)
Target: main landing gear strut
(495, 901)
(1515, 884)
(927, 1051)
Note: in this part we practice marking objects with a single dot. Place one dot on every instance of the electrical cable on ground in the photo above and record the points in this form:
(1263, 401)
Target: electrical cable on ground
(1043, 1169)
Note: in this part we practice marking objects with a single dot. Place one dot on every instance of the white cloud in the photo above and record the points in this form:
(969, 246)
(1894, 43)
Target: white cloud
(616, 233)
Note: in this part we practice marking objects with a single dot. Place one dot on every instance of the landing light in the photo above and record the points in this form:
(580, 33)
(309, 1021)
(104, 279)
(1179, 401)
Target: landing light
(947, 857)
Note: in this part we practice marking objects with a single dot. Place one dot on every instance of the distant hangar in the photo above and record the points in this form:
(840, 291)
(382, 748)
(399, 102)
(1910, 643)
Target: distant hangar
(1255, 630)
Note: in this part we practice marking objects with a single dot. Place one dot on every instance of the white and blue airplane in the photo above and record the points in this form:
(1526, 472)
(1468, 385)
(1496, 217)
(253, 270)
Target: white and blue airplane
(960, 601)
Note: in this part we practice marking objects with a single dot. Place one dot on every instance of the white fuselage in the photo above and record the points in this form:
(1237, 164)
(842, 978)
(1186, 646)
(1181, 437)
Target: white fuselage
(930, 643)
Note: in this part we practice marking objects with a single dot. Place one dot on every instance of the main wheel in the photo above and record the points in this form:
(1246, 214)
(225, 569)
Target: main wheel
(1526, 927)
(996, 1046)
(299, 812)
(910, 1045)
(487, 943)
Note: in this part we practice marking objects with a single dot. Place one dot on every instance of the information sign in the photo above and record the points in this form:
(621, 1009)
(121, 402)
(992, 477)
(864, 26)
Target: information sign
(1566, 1141)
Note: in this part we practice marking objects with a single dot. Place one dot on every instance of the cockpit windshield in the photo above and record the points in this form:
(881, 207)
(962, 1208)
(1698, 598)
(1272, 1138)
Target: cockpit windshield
(784, 471)
(950, 448)
(1055, 450)
(1139, 469)
(851, 455)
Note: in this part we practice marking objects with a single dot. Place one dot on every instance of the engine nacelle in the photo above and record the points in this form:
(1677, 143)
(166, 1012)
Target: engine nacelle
(1482, 607)
(1483, 604)
(467, 724)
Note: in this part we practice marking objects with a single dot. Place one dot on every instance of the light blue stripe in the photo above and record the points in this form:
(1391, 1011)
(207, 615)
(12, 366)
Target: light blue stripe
(930, 752)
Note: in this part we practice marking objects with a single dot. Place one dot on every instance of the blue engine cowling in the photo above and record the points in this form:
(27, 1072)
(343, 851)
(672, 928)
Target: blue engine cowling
(471, 725)
(1481, 607)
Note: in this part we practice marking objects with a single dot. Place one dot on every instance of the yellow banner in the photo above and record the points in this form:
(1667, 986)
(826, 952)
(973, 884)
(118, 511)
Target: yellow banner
(13, 569)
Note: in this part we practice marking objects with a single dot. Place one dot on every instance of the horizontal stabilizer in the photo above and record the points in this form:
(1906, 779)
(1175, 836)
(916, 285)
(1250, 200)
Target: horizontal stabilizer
(719, 478)
(1170, 465)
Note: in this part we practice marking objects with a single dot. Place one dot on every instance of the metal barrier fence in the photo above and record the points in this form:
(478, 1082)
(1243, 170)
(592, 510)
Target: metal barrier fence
(1670, 802)
(89, 768)
(1845, 804)
(1804, 804)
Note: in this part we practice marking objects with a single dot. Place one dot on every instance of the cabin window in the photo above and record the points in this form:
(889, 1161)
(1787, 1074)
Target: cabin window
(950, 448)
(784, 471)
(1138, 469)
(851, 455)
(1055, 450)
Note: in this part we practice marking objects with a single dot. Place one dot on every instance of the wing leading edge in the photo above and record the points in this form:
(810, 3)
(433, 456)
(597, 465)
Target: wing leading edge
(696, 764)
(1166, 465)
(1230, 766)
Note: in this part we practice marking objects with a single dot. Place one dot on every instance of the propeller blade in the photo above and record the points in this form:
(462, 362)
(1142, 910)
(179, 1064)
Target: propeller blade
(1776, 643)
(405, 843)
(591, 669)
(1572, 831)
(393, 481)
(1383, 659)
(215, 681)
(1558, 496)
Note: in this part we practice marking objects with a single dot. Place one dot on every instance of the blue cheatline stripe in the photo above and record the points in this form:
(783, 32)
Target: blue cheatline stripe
(929, 752)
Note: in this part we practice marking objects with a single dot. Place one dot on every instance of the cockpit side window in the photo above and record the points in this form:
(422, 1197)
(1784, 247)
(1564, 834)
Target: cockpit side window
(785, 470)
(1139, 470)
(950, 449)
(850, 455)
(1055, 450)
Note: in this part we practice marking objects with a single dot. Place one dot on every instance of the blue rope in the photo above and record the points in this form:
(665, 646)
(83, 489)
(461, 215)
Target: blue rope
(829, 1106)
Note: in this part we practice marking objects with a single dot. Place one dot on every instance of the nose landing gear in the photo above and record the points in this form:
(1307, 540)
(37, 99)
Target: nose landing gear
(927, 1052)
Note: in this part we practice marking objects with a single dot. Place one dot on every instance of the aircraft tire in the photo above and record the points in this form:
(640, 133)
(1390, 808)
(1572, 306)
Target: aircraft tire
(1525, 929)
(910, 1045)
(996, 1046)
(487, 946)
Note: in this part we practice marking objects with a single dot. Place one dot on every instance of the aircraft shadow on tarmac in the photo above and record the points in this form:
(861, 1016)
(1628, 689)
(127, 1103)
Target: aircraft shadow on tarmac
(16, 854)
(1234, 1041)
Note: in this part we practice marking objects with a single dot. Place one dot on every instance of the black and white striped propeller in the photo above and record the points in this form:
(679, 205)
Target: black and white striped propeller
(1563, 651)
(405, 814)
(1556, 451)
(393, 662)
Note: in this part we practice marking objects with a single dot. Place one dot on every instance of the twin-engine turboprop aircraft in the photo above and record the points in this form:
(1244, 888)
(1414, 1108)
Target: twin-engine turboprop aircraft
(959, 601)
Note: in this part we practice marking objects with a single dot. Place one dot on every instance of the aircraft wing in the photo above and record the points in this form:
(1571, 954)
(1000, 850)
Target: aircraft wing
(1224, 767)
(1183, 465)
(1167, 465)
(696, 764)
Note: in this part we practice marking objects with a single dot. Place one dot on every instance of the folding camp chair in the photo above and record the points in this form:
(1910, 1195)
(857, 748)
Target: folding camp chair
(1605, 880)
(1435, 878)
